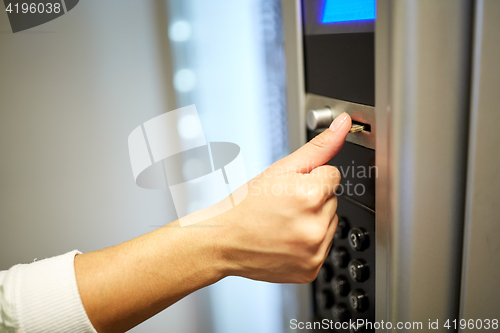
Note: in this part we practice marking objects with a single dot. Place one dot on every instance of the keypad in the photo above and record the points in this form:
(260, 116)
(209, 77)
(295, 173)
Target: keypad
(358, 270)
(340, 257)
(342, 229)
(340, 313)
(345, 287)
(358, 239)
(358, 300)
(326, 272)
(340, 286)
(326, 298)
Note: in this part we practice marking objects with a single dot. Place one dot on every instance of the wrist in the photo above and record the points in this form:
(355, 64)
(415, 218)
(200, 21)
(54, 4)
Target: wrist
(204, 249)
(225, 231)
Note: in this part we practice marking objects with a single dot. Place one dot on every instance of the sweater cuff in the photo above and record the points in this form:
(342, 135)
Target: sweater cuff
(48, 299)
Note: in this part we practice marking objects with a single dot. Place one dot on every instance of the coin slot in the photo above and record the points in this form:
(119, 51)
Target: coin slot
(366, 127)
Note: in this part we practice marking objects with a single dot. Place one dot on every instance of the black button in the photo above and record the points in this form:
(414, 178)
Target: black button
(340, 257)
(358, 270)
(325, 299)
(342, 228)
(340, 286)
(358, 239)
(326, 272)
(358, 300)
(340, 313)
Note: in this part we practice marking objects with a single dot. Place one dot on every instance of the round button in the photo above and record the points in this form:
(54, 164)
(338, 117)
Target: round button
(325, 299)
(358, 300)
(358, 239)
(358, 270)
(340, 286)
(340, 313)
(319, 118)
(340, 257)
(342, 228)
(326, 272)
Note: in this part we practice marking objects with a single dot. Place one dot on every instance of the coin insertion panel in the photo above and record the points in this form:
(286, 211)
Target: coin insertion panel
(339, 73)
(345, 287)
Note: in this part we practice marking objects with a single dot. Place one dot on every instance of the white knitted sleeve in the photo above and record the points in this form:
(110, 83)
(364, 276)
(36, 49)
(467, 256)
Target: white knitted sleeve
(42, 297)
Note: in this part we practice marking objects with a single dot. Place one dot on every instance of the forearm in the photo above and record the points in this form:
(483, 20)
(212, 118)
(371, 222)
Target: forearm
(123, 285)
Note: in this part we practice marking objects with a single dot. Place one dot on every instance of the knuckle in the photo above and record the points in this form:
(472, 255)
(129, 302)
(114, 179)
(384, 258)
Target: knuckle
(316, 200)
(316, 261)
(310, 278)
(313, 236)
(307, 278)
(319, 142)
(334, 205)
(302, 197)
(312, 275)
(309, 273)
(312, 204)
(315, 194)
(335, 174)
(304, 267)
(311, 266)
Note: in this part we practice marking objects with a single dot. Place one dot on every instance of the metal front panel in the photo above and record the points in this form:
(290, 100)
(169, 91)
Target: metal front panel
(339, 73)
(297, 298)
(422, 75)
(382, 61)
(295, 84)
(480, 297)
(358, 173)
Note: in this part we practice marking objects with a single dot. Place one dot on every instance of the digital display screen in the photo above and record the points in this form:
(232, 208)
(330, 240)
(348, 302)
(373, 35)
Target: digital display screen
(348, 10)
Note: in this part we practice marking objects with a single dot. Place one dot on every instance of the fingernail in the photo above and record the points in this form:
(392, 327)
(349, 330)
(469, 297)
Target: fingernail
(338, 122)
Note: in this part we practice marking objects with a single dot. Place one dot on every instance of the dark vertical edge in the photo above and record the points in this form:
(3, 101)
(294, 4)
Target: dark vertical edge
(470, 11)
(474, 66)
(164, 47)
(382, 218)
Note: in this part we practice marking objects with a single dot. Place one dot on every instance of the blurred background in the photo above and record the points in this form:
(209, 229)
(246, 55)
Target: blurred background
(73, 89)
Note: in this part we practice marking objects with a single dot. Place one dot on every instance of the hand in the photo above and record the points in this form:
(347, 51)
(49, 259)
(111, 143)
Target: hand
(283, 230)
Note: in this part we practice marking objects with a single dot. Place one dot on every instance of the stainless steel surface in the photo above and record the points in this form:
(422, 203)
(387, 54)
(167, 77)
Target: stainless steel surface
(382, 51)
(480, 296)
(422, 80)
(297, 298)
(319, 118)
(292, 25)
(358, 112)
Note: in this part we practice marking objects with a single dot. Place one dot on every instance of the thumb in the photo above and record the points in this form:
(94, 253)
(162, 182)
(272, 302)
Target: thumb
(321, 148)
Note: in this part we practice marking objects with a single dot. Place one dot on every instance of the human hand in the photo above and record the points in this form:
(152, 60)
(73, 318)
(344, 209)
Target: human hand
(282, 231)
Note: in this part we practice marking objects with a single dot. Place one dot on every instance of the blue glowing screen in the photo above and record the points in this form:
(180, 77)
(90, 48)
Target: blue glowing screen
(348, 10)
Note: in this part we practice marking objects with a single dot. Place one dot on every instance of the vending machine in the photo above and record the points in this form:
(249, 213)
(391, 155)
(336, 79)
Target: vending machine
(413, 247)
